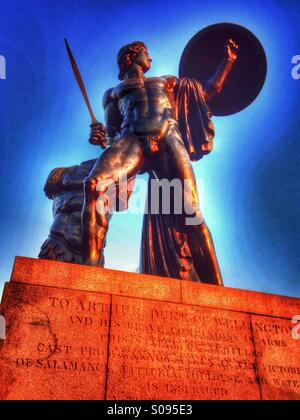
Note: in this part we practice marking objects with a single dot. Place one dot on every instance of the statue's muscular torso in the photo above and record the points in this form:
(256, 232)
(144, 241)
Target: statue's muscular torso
(141, 106)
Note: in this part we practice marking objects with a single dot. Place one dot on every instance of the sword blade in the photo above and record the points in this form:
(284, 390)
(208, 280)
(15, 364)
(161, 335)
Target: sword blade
(80, 82)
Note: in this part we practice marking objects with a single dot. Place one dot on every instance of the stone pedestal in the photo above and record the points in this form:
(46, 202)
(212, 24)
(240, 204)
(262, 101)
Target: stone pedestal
(76, 332)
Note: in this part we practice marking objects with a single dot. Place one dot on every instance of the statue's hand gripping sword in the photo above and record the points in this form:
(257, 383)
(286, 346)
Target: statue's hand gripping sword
(98, 133)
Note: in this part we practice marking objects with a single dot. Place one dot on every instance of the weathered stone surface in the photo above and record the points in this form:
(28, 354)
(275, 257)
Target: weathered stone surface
(56, 345)
(95, 279)
(78, 332)
(239, 300)
(278, 358)
(170, 351)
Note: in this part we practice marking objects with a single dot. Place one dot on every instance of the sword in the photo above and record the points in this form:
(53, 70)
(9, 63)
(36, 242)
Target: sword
(80, 82)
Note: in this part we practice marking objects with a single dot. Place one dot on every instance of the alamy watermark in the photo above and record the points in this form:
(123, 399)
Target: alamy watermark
(2, 328)
(296, 328)
(174, 196)
(296, 68)
(2, 67)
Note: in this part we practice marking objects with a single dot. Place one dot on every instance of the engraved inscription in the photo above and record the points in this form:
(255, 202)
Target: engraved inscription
(57, 342)
(160, 350)
(278, 358)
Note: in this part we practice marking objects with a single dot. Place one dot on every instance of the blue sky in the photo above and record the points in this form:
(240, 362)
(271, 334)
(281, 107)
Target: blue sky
(251, 180)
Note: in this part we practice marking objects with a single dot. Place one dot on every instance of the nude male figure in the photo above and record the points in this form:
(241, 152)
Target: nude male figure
(142, 130)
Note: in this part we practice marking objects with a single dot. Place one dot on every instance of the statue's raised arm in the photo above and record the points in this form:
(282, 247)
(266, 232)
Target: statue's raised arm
(215, 85)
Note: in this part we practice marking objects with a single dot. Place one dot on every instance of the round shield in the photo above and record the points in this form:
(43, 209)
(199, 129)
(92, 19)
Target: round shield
(204, 53)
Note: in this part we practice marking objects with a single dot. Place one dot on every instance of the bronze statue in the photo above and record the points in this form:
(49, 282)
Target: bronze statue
(158, 125)
(155, 125)
(64, 187)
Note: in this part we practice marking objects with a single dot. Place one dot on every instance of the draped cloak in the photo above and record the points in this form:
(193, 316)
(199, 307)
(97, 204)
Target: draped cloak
(167, 248)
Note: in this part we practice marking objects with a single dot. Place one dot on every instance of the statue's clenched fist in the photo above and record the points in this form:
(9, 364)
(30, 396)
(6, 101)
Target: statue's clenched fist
(98, 135)
(232, 49)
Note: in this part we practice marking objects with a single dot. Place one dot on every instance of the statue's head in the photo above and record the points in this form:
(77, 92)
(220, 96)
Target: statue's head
(136, 52)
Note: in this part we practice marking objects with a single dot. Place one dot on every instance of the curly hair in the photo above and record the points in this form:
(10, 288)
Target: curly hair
(127, 55)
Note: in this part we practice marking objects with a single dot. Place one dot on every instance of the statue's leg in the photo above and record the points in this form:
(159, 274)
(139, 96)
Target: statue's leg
(174, 163)
(120, 162)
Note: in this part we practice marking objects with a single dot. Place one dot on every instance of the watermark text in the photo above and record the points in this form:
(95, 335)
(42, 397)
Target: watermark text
(2, 328)
(296, 328)
(2, 67)
(167, 197)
